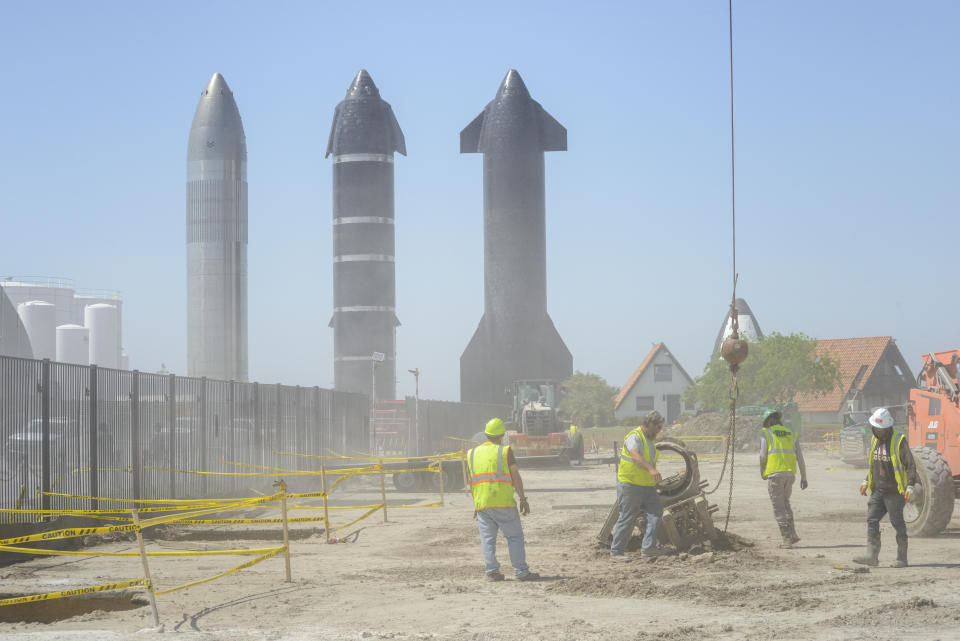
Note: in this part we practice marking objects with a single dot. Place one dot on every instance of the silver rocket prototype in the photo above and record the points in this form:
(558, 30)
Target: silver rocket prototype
(363, 138)
(217, 237)
(516, 339)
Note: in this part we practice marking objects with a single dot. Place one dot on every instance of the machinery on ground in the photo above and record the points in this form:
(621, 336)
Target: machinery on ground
(687, 515)
(856, 434)
(933, 420)
(536, 427)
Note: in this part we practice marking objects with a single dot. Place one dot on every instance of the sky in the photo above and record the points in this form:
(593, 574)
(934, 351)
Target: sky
(846, 134)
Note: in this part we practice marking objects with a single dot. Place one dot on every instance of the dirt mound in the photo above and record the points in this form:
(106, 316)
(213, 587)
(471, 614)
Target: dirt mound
(717, 424)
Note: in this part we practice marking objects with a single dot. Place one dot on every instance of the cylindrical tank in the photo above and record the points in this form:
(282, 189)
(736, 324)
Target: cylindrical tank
(124, 360)
(73, 344)
(102, 321)
(40, 320)
(58, 291)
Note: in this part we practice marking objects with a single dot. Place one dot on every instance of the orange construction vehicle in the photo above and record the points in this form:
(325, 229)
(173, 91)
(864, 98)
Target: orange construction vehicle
(933, 420)
(536, 427)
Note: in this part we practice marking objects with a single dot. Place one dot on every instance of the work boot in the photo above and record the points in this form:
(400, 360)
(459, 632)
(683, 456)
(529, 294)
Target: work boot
(794, 538)
(495, 576)
(529, 576)
(901, 561)
(873, 552)
(655, 550)
(786, 540)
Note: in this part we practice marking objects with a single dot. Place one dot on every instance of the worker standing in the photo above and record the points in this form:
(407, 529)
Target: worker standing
(780, 456)
(890, 478)
(494, 476)
(637, 479)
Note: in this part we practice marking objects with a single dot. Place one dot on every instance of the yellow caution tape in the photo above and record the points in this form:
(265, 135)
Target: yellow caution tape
(437, 504)
(333, 507)
(143, 501)
(296, 519)
(11, 548)
(78, 512)
(434, 457)
(359, 518)
(76, 592)
(68, 534)
(157, 520)
(228, 572)
(289, 472)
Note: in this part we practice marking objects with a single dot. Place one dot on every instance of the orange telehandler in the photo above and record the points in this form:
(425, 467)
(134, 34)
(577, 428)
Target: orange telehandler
(933, 419)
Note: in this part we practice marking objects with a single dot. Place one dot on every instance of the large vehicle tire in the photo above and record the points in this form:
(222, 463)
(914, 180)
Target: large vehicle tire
(451, 481)
(406, 481)
(929, 515)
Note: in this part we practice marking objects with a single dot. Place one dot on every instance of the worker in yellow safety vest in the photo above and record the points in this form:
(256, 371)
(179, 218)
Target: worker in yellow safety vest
(889, 484)
(637, 479)
(494, 477)
(780, 456)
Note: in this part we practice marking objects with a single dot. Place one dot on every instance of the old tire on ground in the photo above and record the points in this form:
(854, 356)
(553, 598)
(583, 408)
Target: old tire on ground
(930, 515)
(406, 481)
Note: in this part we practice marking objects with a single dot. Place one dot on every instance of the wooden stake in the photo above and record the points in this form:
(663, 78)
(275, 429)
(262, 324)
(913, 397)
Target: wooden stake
(286, 532)
(326, 513)
(440, 472)
(466, 474)
(146, 570)
(383, 490)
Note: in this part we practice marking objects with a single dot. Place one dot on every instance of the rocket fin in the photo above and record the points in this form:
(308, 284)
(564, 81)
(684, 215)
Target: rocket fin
(332, 323)
(399, 143)
(333, 131)
(470, 136)
(475, 363)
(553, 135)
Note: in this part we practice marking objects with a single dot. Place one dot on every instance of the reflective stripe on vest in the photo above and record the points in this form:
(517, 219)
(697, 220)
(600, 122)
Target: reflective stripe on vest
(898, 472)
(781, 454)
(490, 477)
(630, 472)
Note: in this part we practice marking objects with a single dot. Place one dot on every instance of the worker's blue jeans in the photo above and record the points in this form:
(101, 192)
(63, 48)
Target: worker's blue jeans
(506, 519)
(881, 503)
(634, 499)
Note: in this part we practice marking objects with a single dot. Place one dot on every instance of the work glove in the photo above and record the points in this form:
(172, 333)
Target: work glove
(524, 506)
(803, 484)
(909, 495)
(863, 489)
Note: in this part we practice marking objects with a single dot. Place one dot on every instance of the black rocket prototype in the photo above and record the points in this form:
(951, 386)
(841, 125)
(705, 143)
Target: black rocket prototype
(516, 339)
(363, 138)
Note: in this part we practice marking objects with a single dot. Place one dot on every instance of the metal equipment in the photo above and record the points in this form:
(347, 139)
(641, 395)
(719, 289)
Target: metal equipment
(687, 515)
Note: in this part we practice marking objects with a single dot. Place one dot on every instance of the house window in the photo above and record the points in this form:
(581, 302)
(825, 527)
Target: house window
(644, 403)
(663, 372)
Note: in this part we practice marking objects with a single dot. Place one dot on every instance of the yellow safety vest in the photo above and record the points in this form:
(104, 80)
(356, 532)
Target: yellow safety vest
(490, 476)
(630, 472)
(898, 472)
(781, 453)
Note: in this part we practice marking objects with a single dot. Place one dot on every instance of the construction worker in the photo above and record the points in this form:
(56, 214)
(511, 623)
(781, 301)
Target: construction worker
(637, 479)
(780, 456)
(494, 476)
(575, 445)
(890, 478)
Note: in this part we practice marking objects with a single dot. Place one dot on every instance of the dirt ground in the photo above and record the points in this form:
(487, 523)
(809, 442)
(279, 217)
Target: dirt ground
(420, 576)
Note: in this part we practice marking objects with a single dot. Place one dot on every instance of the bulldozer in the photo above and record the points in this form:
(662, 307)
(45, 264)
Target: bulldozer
(933, 430)
(535, 427)
(687, 515)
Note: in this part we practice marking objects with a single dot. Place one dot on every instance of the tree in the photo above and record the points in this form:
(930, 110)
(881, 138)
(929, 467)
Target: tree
(588, 400)
(778, 368)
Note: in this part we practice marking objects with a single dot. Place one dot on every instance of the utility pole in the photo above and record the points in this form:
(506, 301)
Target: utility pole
(416, 411)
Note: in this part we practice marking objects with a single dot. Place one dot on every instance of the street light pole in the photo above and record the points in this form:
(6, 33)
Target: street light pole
(416, 411)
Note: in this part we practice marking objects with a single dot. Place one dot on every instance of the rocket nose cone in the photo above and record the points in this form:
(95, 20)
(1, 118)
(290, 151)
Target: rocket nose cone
(217, 85)
(513, 84)
(362, 86)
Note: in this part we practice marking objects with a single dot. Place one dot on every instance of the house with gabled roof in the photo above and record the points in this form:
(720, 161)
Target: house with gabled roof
(657, 384)
(873, 374)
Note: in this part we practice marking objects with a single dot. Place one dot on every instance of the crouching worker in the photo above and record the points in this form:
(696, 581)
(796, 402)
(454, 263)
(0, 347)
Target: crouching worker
(890, 476)
(494, 476)
(637, 479)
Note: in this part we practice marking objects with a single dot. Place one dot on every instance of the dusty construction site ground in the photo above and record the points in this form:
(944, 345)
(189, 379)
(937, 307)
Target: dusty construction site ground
(420, 576)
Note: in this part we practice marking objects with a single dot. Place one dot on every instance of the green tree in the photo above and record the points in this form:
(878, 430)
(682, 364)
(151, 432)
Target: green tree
(588, 400)
(778, 368)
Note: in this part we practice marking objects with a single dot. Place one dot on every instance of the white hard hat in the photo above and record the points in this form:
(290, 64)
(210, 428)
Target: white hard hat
(881, 418)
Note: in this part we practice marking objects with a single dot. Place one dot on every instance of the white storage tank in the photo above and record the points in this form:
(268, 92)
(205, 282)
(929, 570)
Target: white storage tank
(58, 291)
(40, 320)
(73, 344)
(124, 360)
(103, 322)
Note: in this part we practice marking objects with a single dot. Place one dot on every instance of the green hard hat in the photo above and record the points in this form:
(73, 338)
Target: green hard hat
(495, 427)
(771, 413)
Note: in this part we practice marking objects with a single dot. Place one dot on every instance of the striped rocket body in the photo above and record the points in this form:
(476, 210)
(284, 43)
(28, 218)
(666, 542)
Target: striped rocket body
(363, 138)
(217, 237)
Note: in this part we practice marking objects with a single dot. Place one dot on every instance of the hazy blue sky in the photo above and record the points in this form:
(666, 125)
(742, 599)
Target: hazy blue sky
(847, 167)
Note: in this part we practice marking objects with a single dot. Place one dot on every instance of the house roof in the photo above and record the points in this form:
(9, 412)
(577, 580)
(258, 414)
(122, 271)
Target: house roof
(643, 367)
(852, 355)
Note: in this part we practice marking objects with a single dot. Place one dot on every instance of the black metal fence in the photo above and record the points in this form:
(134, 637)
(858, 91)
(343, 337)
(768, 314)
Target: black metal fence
(100, 432)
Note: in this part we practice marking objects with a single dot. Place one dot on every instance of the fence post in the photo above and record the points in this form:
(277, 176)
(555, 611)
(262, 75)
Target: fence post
(146, 569)
(135, 432)
(326, 511)
(233, 430)
(172, 444)
(203, 435)
(383, 490)
(44, 434)
(440, 472)
(257, 425)
(94, 433)
(466, 475)
(282, 486)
